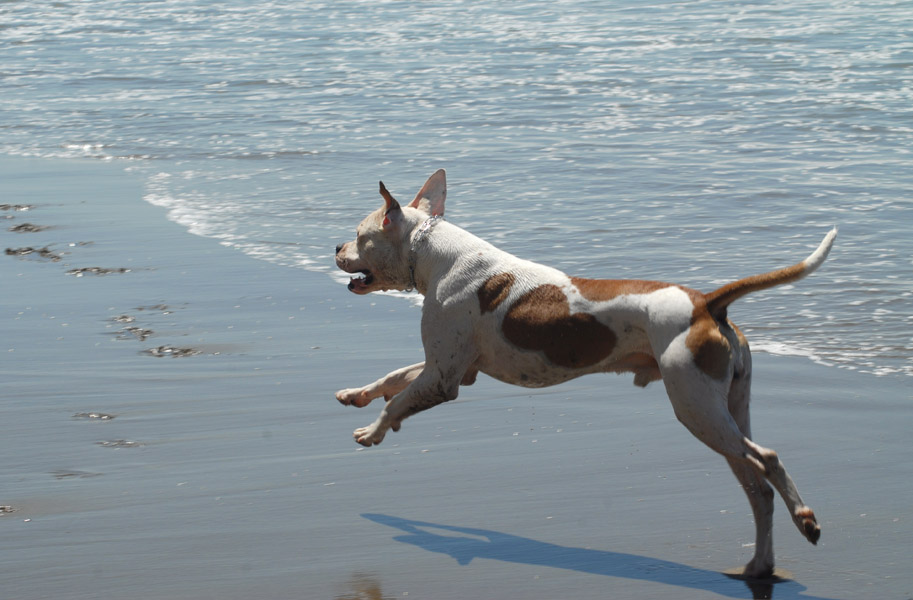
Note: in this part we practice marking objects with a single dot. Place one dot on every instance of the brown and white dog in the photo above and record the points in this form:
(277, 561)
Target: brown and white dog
(531, 325)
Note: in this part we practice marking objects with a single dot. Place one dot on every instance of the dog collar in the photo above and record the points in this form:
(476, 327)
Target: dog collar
(424, 230)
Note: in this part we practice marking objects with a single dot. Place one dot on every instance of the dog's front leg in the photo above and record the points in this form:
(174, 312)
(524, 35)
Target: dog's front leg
(449, 358)
(387, 386)
(425, 391)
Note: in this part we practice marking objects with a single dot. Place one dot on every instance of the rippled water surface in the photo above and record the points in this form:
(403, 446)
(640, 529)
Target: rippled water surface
(696, 141)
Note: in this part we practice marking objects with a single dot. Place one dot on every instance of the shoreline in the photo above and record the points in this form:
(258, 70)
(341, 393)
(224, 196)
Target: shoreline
(225, 468)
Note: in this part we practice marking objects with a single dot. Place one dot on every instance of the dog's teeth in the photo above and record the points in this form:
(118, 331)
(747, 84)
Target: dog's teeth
(360, 281)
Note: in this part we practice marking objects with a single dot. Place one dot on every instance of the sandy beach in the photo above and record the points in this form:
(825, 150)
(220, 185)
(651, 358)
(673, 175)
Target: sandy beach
(170, 431)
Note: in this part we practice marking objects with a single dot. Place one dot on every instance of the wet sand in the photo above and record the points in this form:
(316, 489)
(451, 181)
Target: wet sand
(169, 431)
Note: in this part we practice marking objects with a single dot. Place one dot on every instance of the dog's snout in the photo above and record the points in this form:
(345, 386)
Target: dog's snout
(338, 248)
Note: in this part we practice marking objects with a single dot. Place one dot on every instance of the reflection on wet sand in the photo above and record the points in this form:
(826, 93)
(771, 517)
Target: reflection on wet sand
(363, 587)
(464, 544)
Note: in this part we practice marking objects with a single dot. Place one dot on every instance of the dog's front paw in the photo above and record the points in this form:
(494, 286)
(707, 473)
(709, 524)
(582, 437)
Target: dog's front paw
(354, 397)
(371, 435)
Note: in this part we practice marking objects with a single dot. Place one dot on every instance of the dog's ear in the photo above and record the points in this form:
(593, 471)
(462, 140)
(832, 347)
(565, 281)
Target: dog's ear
(393, 214)
(430, 199)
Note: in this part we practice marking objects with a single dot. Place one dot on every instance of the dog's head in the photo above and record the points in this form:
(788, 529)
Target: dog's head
(380, 251)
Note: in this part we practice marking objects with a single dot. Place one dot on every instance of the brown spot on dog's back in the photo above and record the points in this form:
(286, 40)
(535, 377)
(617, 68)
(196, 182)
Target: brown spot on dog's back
(601, 290)
(710, 349)
(541, 320)
(494, 291)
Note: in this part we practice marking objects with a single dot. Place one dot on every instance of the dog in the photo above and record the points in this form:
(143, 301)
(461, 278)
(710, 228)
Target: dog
(530, 325)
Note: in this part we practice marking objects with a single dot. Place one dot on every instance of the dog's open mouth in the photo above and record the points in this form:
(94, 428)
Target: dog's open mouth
(360, 284)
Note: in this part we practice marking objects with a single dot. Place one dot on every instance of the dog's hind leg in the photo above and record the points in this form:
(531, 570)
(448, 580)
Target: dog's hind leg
(768, 463)
(702, 405)
(760, 495)
(387, 386)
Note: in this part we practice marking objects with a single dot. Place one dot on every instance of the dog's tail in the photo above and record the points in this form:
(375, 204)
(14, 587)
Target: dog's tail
(719, 300)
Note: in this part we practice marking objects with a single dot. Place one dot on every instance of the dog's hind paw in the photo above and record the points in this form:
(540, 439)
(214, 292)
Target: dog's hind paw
(807, 524)
(354, 397)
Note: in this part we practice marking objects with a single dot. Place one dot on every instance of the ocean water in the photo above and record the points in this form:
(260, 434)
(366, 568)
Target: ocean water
(692, 141)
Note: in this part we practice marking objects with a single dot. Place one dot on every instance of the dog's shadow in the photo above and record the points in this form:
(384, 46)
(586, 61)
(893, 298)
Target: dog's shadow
(465, 543)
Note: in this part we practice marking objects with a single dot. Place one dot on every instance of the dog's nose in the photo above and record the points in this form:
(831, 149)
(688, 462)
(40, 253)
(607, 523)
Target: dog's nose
(338, 248)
